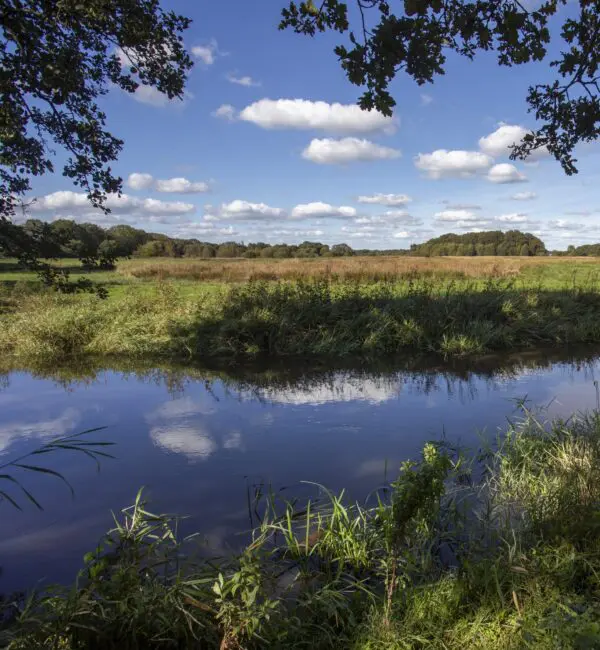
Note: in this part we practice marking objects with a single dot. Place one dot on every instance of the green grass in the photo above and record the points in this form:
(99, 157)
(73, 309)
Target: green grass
(321, 318)
(435, 560)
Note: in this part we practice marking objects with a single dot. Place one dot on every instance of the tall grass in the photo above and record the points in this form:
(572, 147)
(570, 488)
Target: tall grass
(363, 269)
(435, 559)
(306, 318)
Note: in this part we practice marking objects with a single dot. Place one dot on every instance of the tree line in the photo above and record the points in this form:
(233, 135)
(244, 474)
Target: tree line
(99, 247)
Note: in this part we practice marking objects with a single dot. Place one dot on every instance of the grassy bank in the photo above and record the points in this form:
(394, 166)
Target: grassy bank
(437, 559)
(326, 318)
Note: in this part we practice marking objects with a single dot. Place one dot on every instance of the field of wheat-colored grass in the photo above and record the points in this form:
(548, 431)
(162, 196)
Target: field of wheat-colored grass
(347, 268)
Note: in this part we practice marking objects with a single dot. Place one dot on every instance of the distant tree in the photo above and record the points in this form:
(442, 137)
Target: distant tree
(415, 37)
(341, 250)
(58, 58)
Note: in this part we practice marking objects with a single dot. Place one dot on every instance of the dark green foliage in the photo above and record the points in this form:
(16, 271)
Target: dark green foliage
(415, 36)
(587, 250)
(57, 59)
(494, 242)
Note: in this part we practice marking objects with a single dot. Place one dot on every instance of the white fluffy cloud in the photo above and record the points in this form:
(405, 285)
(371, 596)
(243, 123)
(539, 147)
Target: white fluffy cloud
(137, 181)
(76, 203)
(524, 196)
(499, 142)
(206, 53)
(448, 164)
(456, 215)
(225, 112)
(179, 185)
(505, 173)
(329, 151)
(306, 114)
(385, 199)
(240, 210)
(318, 210)
(515, 217)
(242, 81)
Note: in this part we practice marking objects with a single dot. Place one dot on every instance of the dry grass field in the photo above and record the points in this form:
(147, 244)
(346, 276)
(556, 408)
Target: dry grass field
(350, 268)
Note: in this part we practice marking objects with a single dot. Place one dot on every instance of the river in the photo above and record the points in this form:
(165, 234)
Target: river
(200, 440)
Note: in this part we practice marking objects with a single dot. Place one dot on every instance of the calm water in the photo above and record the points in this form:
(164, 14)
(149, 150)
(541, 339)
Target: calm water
(197, 439)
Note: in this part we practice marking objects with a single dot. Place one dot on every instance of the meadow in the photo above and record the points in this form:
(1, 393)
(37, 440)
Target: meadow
(336, 308)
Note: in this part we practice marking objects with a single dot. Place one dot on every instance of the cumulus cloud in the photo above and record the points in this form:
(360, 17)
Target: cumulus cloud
(385, 199)
(240, 210)
(329, 151)
(246, 81)
(77, 204)
(306, 114)
(515, 217)
(505, 173)
(402, 234)
(524, 196)
(225, 112)
(138, 181)
(206, 53)
(499, 142)
(453, 164)
(456, 215)
(179, 185)
(319, 210)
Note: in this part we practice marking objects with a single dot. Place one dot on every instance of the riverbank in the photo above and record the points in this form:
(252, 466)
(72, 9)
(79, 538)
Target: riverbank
(313, 318)
(443, 557)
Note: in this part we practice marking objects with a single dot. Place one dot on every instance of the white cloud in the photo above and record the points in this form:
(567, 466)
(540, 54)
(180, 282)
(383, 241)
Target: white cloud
(76, 203)
(457, 163)
(242, 81)
(225, 112)
(505, 173)
(178, 185)
(151, 96)
(515, 217)
(500, 141)
(319, 210)
(564, 224)
(403, 234)
(337, 152)
(138, 181)
(456, 215)
(524, 196)
(240, 210)
(390, 219)
(306, 114)
(181, 186)
(426, 99)
(385, 199)
(206, 53)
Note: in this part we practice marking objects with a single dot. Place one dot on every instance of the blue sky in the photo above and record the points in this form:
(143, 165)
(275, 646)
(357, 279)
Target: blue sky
(270, 146)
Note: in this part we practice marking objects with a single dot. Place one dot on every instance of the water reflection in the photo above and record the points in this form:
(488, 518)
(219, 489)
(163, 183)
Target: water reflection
(197, 438)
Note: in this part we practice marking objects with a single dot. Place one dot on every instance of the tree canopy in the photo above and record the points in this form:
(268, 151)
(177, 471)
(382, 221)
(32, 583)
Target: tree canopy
(57, 58)
(416, 36)
(493, 242)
